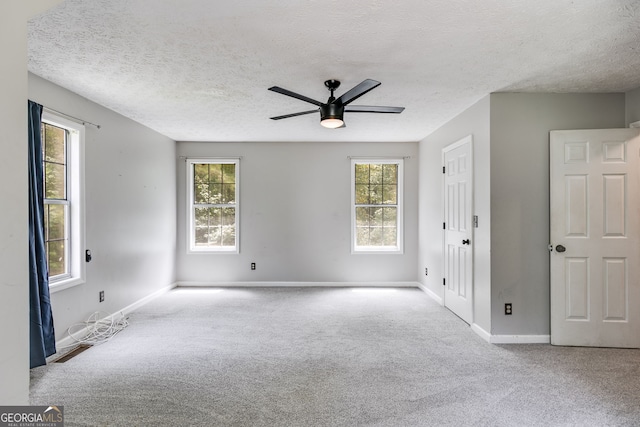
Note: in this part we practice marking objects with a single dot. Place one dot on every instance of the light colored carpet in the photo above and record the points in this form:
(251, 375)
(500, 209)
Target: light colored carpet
(330, 357)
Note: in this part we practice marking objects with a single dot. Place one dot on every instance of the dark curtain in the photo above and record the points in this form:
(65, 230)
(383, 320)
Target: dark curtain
(41, 334)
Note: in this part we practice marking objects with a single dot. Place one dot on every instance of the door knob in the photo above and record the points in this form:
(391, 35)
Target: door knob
(466, 242)
(560, 248)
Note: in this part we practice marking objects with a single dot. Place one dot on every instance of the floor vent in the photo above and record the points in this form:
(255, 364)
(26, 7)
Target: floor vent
(73, 353)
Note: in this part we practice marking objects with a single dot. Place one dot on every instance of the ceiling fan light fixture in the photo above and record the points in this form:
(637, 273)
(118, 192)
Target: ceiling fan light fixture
(331, 123)
(331, 116)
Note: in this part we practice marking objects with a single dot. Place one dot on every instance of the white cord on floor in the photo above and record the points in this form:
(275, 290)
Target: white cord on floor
(99, 328)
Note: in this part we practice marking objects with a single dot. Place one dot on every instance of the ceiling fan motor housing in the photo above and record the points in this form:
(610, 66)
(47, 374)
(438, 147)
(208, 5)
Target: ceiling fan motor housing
(331, 111)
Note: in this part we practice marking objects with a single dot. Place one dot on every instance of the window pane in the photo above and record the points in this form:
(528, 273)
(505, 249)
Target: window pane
(228, 226)
(215, 236)
(362, 174)
(229, 174)
(215, 217)
(390, 217)
(202, 236)
(201, 216)
(376, 226)
(389, 235)
(200, 193)
(375, 195)
(215, 174)
(200, 173)
(54, 181)
(389, 194)
(215, 194)
(362, 194)
(376, 217)
(229, 236)
(362, 236)
(56, 257)
(55, 222)
(390, 174)
(375, 236)
(228, 193)
(54, 139)
(362, 217)
(228, 216)
(375, 174)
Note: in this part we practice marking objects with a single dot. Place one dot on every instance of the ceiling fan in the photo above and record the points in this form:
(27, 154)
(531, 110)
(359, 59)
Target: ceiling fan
(332, 111)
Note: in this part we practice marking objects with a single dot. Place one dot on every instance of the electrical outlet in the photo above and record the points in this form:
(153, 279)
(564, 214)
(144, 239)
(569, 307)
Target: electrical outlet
(253, 265)
(508, 309)
(101, 296)
(426, 271)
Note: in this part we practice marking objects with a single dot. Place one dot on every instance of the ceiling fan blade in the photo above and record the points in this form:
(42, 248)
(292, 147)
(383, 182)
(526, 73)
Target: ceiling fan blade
(357, 91)
(372, 109)
(294, 95)
(294, 114)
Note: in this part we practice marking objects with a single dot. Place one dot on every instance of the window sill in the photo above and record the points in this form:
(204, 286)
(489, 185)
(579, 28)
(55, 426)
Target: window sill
(377, 251)
(233, 251)
(65, 284)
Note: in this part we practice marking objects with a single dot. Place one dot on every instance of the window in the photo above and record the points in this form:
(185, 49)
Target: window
(213, 205)
(376, 207)
(62, 154)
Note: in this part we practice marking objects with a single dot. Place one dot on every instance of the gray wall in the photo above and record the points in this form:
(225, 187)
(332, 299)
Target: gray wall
(130, 209)
(520, 125)
(295, 215)
(632, 106)
(473, 121)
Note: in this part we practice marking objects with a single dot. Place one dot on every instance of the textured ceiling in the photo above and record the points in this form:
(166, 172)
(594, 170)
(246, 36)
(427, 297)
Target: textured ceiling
(199, 70)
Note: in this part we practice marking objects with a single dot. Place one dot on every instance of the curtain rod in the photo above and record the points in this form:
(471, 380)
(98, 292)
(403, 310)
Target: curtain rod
(84, 122)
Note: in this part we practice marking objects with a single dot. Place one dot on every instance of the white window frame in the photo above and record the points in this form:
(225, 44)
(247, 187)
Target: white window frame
(191, 228)
(399, 247)
(75, 226)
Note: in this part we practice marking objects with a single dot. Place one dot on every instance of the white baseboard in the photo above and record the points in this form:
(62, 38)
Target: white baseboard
(437, 298)
(298, 284)
(520, 339)
(136, 305)
(68, 342)
(510, 339)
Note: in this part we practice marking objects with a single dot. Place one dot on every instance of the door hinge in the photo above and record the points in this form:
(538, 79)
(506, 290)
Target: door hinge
(475, 221)
(444, 282)
(444, 225)
(443, 169)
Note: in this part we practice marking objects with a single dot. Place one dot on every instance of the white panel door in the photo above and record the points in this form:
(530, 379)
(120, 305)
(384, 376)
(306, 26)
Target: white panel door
(458, 228)
(595, 238)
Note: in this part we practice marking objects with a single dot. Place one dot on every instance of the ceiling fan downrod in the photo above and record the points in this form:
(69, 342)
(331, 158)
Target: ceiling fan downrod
(332, 85)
